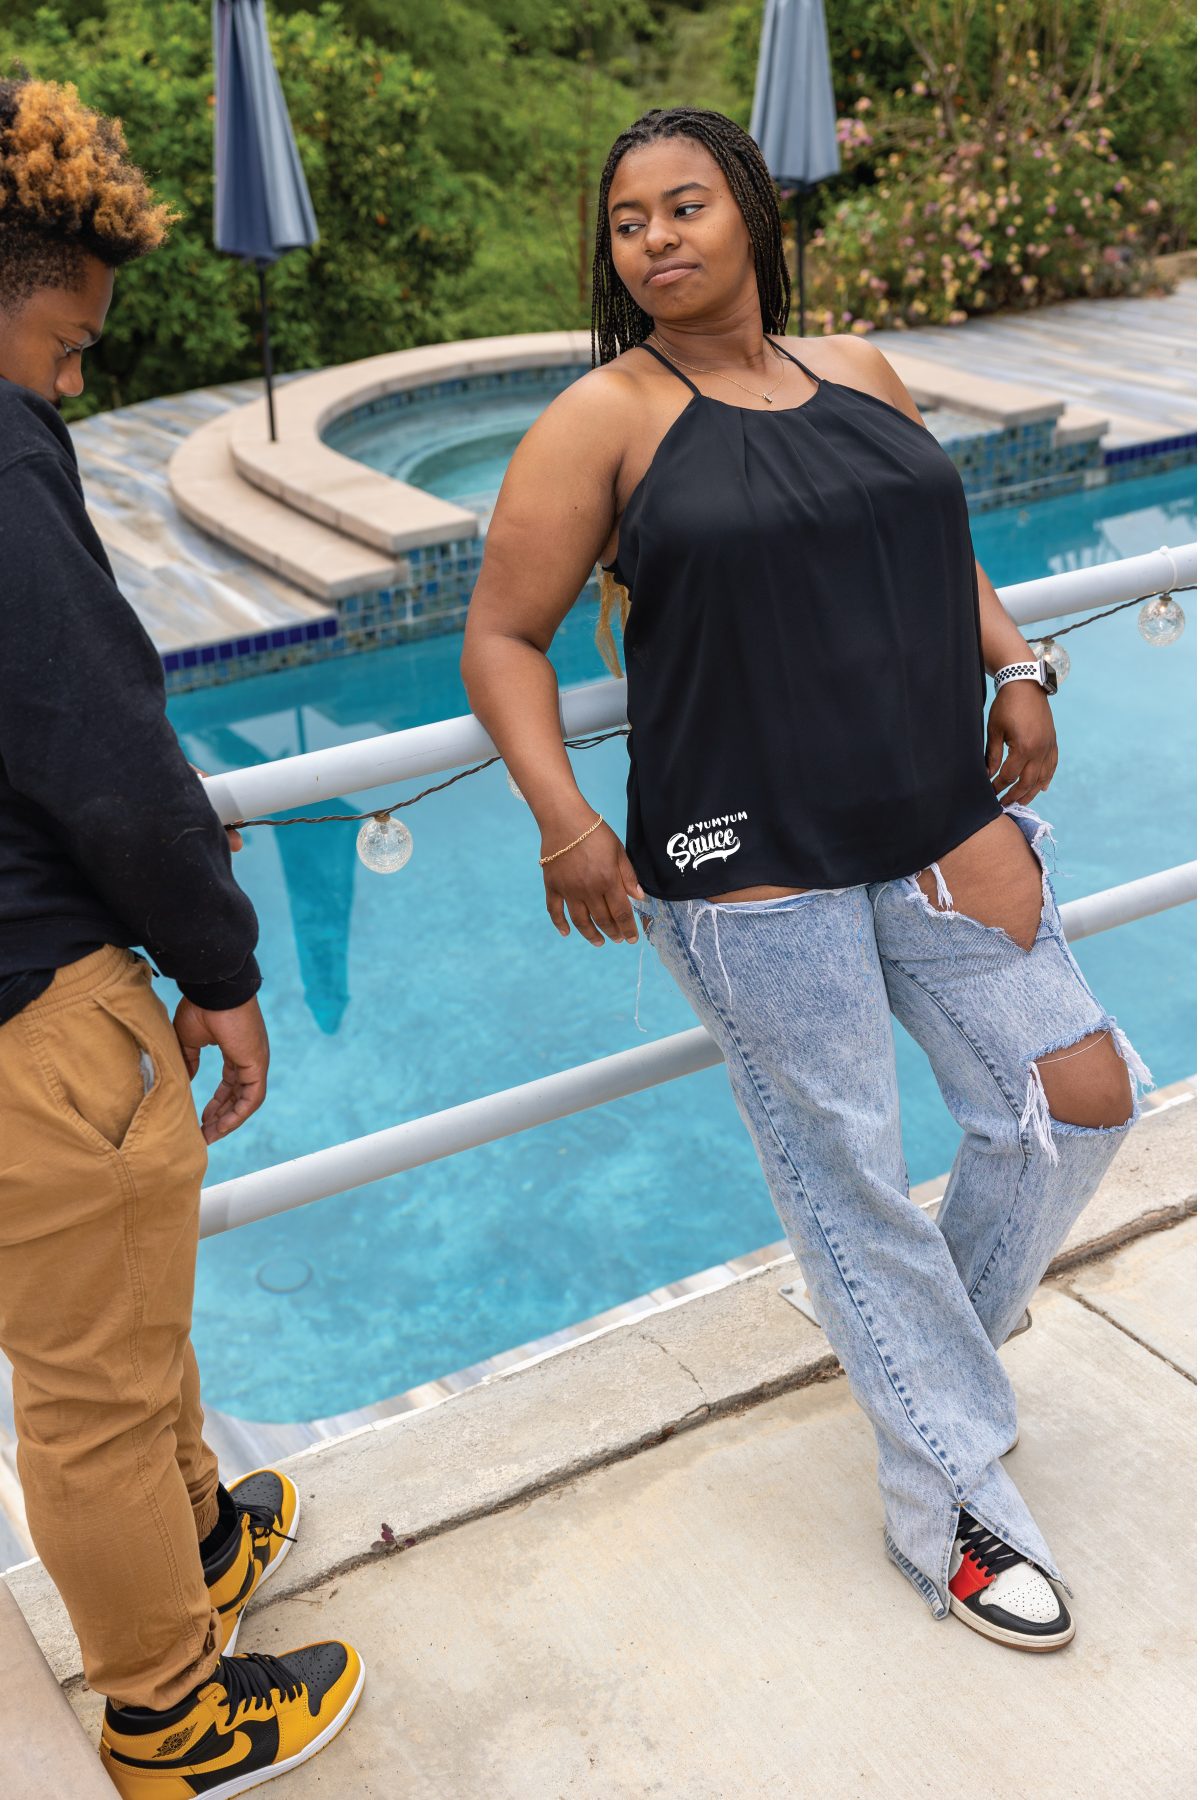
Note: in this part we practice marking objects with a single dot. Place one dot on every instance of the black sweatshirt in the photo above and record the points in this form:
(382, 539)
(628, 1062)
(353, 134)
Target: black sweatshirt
(106, 836)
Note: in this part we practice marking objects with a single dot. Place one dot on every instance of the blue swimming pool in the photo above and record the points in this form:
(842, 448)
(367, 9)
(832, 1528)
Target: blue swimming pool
(391, 997)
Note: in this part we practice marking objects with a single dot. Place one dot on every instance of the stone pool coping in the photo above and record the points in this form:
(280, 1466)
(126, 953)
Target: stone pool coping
(264, 497)
(365, 504)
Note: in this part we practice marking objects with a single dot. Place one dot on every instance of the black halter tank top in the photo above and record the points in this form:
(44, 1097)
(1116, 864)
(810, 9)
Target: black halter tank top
(803, 653)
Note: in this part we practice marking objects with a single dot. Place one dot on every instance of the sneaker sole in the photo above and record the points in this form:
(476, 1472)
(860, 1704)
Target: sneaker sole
(266, 1576)
(241, 1784)
(1000, 1635)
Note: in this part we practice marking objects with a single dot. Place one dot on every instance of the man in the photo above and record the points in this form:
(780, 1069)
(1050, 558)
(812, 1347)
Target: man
(107, 841)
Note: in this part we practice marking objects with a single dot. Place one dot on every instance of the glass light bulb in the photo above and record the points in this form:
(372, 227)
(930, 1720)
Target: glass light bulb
(384, 844)
(513, 788)
(1054, 654)
(1161, 620)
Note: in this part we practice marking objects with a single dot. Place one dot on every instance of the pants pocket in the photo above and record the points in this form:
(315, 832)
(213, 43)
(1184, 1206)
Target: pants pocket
(101, 1062)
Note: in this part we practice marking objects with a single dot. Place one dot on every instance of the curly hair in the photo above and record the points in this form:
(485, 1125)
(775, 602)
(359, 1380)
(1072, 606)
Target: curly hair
(618, 322)
(67, 189)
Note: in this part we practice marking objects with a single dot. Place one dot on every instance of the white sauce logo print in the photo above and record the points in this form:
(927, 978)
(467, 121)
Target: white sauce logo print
(705, 841)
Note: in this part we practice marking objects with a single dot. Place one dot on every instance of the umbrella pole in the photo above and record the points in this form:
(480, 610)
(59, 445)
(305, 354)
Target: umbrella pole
(800, 255)
(266, 347)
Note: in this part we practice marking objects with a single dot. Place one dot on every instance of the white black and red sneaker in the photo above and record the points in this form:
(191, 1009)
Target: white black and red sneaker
(994, 1590)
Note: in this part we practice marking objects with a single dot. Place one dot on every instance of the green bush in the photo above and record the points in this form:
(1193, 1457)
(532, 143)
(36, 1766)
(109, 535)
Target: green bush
(454, 147)
(981, 224)
(994, 155)
(394, 219)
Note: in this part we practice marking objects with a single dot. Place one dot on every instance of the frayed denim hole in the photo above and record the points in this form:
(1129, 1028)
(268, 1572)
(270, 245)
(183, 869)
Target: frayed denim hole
(1043, 1122)
(945, 911)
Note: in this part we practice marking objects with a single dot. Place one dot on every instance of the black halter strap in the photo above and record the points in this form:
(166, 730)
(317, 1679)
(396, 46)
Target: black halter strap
(674, 367)
(811, 376)
(668, 364)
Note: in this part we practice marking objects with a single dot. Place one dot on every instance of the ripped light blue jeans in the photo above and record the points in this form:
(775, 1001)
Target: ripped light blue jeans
(797, 992)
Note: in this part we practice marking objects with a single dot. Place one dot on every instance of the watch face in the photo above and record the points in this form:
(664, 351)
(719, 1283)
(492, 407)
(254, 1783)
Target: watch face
(1049, 675)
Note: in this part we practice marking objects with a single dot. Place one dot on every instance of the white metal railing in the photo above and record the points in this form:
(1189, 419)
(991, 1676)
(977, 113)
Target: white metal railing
(398, 756)
(401, 1147)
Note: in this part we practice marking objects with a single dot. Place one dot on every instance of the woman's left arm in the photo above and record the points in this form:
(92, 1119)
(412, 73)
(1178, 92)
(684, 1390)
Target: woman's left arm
(1020, 715)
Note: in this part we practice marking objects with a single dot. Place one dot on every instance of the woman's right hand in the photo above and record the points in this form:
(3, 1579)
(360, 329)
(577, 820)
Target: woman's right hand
(592, 884)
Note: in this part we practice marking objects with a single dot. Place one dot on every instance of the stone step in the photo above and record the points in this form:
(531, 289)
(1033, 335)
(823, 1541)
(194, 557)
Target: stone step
(321, 560)
(45, 1753)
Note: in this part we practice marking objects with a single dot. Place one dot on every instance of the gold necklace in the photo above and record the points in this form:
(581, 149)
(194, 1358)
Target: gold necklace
(739, 384)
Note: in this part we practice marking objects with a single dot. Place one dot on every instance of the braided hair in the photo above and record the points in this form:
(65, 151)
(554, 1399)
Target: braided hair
(618, 322)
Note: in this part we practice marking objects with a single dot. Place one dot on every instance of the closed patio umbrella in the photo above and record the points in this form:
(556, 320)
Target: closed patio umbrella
(793, 117)
(261, 201)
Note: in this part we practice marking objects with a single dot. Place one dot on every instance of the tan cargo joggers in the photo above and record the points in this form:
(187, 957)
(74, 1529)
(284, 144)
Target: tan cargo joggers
(101, 1162)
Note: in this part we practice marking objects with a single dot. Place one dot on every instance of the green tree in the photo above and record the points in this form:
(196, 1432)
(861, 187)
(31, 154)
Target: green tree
(394, 218)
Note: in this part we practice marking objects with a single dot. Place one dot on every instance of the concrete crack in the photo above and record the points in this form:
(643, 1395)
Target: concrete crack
(679, 1364)
(1090, 1306)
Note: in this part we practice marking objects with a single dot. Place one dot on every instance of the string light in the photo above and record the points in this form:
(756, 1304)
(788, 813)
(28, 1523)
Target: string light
(1161, 620)
(385, 844)
(1054, 654)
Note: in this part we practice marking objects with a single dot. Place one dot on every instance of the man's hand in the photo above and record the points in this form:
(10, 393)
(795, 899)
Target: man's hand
(240, 1033)
(236, 840)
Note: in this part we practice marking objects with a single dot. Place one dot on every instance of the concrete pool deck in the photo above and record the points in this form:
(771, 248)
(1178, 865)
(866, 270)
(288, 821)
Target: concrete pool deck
(651, 1563)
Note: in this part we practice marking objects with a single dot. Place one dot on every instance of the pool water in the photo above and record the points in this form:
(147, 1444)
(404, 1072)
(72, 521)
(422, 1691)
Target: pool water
(389, 997)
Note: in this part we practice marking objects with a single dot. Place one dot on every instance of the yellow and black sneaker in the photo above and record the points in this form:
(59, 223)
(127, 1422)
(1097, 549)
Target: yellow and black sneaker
(256, 1527)
(253, 1718)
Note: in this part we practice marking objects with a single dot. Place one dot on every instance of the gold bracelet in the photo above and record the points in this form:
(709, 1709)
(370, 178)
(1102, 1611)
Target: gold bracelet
(546, 859)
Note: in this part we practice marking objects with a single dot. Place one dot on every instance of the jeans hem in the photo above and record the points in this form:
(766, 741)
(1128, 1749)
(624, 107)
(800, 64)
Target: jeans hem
(939, 1604)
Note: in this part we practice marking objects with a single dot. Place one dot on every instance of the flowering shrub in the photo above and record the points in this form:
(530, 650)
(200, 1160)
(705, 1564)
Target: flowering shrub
(984, 222)
(996, 153)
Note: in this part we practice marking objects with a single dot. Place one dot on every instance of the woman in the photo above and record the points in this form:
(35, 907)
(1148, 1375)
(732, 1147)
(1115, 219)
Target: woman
(816, 836)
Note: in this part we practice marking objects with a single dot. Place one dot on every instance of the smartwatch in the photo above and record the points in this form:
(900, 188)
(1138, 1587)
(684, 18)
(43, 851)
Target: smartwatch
(1044, 673)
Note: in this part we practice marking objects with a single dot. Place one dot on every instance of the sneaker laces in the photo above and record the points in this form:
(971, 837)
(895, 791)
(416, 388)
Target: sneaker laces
(991, 1552)
(262, 1517)
(255, 1678)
